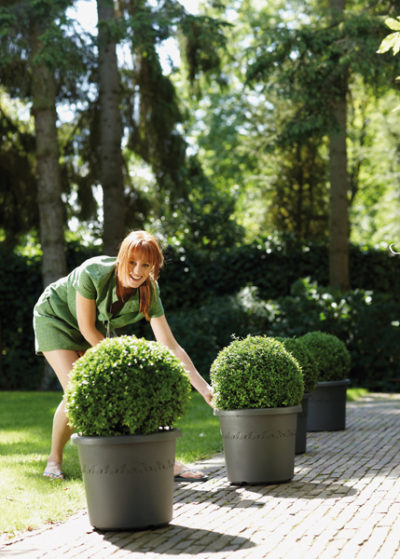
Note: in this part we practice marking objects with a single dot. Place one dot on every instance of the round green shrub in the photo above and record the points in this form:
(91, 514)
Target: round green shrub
(306, 361)
(256, 372)
(330, 354)
(126, 386)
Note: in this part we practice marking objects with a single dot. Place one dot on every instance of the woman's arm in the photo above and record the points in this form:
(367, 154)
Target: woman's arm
(164, 335)
(86, 314)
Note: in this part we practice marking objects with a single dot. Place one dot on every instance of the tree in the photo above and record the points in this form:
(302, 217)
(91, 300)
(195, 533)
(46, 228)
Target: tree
(183, 205)
(29, 43)
(338, 166)
(237, 126)
(312, 65)
(111, 163)
(47, 154)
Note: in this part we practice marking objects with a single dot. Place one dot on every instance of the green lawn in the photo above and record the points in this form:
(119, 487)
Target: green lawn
(27, 500)
(354, 394)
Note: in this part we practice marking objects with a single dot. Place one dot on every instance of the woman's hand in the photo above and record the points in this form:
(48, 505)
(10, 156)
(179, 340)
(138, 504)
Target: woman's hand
(208, 395)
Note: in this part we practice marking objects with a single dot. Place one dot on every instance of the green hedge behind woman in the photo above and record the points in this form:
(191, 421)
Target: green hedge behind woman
(81, 309)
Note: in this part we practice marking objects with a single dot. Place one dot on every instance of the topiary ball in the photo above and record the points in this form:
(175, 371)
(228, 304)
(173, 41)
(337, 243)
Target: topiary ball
(306, 361)
(330, 354)
(126, 386)
(256, 372)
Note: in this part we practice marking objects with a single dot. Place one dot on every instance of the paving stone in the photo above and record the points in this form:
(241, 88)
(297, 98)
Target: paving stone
(343, 501)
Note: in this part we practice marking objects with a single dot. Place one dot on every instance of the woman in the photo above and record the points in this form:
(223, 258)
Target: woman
(78, 311)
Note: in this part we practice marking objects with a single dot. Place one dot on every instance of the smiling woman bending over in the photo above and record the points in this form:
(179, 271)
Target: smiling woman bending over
(81, 309)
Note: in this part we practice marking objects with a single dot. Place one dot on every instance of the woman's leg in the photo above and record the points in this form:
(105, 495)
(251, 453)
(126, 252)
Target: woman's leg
(61, 361)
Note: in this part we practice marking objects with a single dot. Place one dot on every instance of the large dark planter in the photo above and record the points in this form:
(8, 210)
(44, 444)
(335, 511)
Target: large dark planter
(128, 479)
(301, 432)
(327, 406)
(259, 444)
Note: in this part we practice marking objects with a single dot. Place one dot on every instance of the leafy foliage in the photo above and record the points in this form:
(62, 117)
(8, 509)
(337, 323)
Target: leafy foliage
(391, 41)
(65, 52)
(256, 372)
(18, 182)
(306, 361)
(307, 62)
(202, 38)
(330, 354)
(299, 196)
(126, 386)
(355, 318)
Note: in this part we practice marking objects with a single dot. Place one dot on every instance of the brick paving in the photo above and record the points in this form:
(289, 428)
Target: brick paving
(344, 501)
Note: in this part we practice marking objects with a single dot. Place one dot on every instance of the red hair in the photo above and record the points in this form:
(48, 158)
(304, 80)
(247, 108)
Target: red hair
(143, 246)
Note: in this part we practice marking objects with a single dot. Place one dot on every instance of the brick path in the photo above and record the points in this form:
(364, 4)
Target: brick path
(344, 501)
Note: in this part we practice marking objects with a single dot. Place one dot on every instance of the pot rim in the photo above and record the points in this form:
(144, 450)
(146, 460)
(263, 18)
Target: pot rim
(125, 439)
(260, 411)
(343, 382)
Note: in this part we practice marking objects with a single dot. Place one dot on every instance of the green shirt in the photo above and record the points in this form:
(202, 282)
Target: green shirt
(54, 317)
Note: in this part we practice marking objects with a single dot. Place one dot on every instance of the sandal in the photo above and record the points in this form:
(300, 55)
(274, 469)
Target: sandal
(181, 477)
(53, 471)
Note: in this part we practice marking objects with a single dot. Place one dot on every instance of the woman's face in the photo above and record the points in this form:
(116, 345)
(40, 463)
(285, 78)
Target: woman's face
(138, 271)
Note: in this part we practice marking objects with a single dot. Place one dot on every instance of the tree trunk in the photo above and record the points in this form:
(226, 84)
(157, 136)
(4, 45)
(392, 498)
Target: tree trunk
(51, 211)
(110, 132)
(339, 179)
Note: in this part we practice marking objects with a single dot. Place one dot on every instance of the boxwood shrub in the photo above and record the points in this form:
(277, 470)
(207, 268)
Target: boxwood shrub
(126, 386)
(330, 355)
(306, 361)
(256, 372)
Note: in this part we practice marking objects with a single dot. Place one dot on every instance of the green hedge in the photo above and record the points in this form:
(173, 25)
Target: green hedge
(20, 285)
(270, 265)
(367, 322)
(202, 292)
(369, 325)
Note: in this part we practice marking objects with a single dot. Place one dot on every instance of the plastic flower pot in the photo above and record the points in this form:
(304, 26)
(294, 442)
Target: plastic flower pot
(128, 479)
(259, 444)
(327, 406)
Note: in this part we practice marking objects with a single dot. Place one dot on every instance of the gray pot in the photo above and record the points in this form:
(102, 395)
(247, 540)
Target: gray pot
(129, 480)
(259, 444)
(327, 406)
(301, 431)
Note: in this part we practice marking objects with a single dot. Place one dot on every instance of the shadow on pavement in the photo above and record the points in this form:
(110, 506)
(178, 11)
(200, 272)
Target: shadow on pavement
(175, 539)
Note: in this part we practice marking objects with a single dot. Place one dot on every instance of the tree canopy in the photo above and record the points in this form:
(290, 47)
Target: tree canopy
(226, 141)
